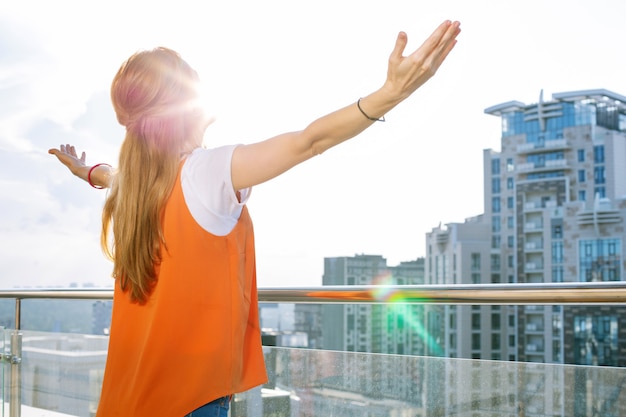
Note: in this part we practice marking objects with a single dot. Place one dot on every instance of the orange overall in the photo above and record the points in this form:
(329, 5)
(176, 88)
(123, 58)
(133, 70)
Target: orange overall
(197, 338)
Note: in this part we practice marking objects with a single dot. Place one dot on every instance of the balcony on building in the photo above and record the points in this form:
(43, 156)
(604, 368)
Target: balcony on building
(545, 166)
(548, 145)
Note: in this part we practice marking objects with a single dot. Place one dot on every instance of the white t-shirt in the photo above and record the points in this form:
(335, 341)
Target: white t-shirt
(208, 189)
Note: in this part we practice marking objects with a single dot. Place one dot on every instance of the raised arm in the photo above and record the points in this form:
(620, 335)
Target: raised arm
(259, 162)
(98, 176)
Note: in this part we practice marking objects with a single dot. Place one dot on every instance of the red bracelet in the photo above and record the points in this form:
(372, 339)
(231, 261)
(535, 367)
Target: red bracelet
(89, 175)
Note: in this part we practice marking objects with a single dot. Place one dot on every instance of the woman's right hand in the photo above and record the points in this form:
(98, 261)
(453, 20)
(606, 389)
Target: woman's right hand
(405, 74)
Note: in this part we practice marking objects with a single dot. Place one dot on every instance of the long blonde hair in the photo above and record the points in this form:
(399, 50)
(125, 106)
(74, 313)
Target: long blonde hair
(154, 95)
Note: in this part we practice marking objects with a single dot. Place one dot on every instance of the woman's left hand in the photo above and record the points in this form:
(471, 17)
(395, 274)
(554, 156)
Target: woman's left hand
(68, 157)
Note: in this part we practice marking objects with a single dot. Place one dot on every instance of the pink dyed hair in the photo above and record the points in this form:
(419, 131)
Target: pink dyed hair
(154, 95)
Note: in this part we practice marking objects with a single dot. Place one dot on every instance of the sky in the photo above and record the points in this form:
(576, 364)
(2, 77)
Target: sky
(274, 66)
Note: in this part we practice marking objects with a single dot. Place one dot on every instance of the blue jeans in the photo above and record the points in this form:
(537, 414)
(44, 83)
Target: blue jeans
(216, 408)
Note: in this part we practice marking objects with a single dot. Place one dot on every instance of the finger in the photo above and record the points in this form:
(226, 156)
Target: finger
(433, 40)
(83, 157)
(433, 58)
(398, 49)
(450, 36)
(446, 45)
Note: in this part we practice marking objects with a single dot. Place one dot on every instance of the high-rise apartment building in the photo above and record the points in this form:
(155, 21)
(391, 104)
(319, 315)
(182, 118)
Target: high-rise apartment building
(555, 196)
(555, 211)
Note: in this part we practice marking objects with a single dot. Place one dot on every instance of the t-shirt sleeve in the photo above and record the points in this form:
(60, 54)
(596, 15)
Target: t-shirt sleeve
(208, 189)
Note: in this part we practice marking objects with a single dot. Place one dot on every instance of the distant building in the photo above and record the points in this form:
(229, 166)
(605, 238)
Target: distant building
(101, 313)
(63, 372)
(555, 196)
(376, 328)
(390, 327)
(461, 253)
(555, 211)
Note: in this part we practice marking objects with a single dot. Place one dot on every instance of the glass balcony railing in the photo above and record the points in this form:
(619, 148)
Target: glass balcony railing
(59, 373)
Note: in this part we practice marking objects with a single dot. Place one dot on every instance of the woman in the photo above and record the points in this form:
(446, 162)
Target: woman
(185, 329)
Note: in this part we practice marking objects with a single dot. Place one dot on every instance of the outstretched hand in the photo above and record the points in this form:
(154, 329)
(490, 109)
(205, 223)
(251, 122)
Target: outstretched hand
(405, 74)
(68, 157)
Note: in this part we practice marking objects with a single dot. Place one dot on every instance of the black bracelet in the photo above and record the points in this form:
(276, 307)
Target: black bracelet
(373, 119)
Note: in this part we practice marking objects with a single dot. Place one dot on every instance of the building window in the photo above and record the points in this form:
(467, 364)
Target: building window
(557, 325)
(475, 278)
(557, 232)
(476, 341)
(475, 260)
(509, 165)
(495, 261)
(582, 195)
(495, 321)
(511, 340)
(509, 183)
(598, 175)
(495, 224)
(495, 241)
(495, 166)
(476, 322)
(598, 154)
(600, 192)
(495, 204)
(600, 260)
(557, 252)
(495, 341)
(509, 202)
(595, 340)
(581, 155)
(511, 263)
(556, 351)
(510, 241)
(510, 222)
(495, 185)
(495, 278)
(557, 273)
(582, 175)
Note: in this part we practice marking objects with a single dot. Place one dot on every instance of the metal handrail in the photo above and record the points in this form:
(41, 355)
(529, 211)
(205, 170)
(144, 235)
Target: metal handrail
(612, 292)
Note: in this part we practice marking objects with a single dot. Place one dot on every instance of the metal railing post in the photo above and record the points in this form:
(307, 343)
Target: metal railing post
(15, 399)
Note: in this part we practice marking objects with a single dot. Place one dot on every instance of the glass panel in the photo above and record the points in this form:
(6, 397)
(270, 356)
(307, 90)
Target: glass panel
(324, 383)
(62, 372)
(3, 382)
